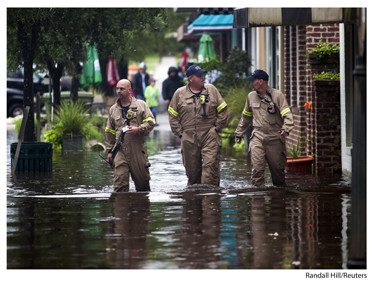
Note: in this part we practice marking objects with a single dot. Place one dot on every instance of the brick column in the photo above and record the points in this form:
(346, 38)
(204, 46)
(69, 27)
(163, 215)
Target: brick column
(323, 122)
(324, 140)
(327, 127)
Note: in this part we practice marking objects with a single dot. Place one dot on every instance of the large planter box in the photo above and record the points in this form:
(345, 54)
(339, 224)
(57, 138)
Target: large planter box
(327, 64)
(83, 96)
(329, 59)
(300, 165)
(72, 143)
(33, 156)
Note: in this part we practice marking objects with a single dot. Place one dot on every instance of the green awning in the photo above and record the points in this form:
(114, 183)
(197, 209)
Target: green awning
(211, 23)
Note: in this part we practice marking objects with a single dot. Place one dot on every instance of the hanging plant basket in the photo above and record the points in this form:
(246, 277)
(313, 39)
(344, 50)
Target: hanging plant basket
(300, 165)
(328, 59)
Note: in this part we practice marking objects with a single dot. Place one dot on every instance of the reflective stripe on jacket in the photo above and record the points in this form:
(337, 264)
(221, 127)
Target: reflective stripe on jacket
(186, 110)
(255, 112)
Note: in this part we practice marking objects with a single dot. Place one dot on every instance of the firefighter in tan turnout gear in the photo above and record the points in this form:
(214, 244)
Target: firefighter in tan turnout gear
(272, 122)
(197, 113)
(126, 148)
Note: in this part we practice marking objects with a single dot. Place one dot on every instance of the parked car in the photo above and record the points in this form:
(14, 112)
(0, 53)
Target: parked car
(14, 102)
(15, 91)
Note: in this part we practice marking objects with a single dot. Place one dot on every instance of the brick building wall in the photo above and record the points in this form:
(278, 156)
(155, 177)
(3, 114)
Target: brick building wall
(295, 77)
(299, 88)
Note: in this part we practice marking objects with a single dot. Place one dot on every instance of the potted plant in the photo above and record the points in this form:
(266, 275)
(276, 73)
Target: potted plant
(297, 163)
(70, 126)
(323, 54)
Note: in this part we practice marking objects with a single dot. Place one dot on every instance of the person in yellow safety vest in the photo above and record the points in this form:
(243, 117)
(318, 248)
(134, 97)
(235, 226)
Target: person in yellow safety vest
(272, 120)
(132, 156)
(197, 113)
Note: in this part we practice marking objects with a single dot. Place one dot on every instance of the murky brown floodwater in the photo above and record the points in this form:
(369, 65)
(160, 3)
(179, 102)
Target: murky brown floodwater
(71, 218)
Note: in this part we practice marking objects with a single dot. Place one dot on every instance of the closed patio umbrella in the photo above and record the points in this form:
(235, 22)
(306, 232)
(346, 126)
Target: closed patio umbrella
(91, 76)
(112, 73)
(206, 49)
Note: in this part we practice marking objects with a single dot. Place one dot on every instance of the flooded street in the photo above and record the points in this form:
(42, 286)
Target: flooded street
(70, 219)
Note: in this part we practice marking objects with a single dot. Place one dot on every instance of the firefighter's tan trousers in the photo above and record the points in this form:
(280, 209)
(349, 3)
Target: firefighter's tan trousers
(201, 156)
(136, 164)
(271, 150)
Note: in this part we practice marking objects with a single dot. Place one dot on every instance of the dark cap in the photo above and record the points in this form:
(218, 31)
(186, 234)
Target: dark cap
(258, 74)
(195, 70)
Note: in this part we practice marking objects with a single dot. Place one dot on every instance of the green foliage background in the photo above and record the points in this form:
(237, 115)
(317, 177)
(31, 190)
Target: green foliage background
(323, 49)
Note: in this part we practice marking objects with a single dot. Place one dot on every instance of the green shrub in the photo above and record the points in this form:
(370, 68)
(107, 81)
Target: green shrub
(210, 65)
(234, 88)
(327, 76)
(322, 50)
(18, 123)
(228, 139)
(235, 98)
(234, 71)
(94, 133)
(54, 136)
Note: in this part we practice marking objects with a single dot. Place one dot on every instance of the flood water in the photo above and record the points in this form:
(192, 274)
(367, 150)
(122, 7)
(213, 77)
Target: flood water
(70, 219)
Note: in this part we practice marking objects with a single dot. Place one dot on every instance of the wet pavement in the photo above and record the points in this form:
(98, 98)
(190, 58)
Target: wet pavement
(70, 219)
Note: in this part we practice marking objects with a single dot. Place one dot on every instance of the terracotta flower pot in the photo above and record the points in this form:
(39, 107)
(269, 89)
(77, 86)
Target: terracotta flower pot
(300, 165)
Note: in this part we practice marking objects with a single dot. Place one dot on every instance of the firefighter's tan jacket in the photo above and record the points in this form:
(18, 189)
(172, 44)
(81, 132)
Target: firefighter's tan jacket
(142, 118)
(265, 124)
(186, 110)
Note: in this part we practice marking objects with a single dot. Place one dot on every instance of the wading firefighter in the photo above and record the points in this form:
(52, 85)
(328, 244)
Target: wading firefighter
(272, 121)
(129, 121)
(197, 113)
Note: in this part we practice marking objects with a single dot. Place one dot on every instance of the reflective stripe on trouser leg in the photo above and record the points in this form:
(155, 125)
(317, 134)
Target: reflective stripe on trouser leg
(258, 162)
(191, 158)
(276, 159)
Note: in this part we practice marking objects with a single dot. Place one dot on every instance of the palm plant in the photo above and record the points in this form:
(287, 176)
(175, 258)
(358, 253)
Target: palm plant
(295, 150)
(71, 119)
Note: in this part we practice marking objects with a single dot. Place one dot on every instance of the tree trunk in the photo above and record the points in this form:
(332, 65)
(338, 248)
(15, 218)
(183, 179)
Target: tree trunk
(27, 42)
(76, 82)
(56, 74)
(28, 100)
(122, 66)
(74, 89)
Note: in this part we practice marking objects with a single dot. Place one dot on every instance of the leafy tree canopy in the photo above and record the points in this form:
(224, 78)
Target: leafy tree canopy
(56, 38)
(64, 31)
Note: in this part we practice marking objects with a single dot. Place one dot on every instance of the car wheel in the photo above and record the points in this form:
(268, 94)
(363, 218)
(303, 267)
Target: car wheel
(16, 110)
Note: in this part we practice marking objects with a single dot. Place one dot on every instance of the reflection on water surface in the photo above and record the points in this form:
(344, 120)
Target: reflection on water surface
(71, 218)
